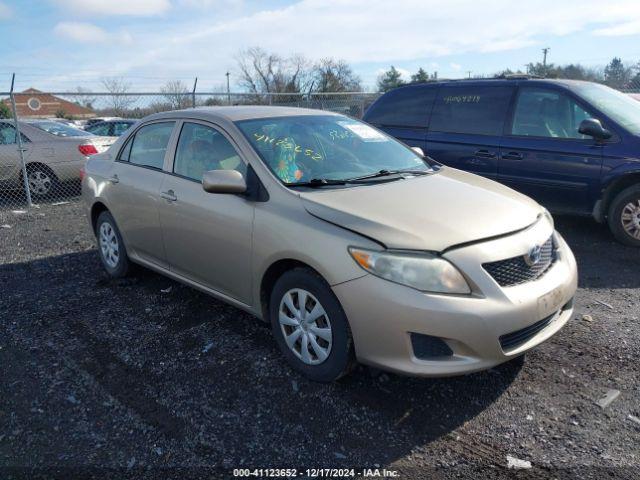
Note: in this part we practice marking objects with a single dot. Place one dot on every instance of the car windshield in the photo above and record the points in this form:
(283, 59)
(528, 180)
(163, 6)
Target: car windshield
(60, 129)
(618, 106)
(300, 149)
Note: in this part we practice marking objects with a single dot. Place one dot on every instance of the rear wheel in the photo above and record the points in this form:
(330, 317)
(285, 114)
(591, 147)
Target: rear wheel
(42, 181)
(310, 326)
(113, 254)
(624, 216)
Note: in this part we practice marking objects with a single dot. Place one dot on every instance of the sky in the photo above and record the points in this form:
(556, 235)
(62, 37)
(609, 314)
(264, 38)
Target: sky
(62, 44)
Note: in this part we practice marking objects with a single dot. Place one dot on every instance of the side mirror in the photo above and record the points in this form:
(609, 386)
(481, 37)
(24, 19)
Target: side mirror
(593, 128)
(223, 181)
(418, 150)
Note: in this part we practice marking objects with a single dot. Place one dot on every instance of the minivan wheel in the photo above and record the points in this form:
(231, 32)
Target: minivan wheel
(310, 326)
(624, 216)
(113, 254)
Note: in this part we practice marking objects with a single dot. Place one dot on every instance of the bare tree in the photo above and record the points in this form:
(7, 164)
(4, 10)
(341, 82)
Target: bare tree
(84, 97)
(331, 75)
(176, 94)
(262, 72)
(119, 101)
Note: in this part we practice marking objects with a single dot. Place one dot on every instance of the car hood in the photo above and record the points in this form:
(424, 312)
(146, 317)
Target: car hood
(431, 212)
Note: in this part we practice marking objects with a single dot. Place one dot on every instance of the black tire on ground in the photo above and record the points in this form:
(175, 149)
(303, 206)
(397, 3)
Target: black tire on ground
(341, 358)
(42, 181)
(621, 209)
(122, 266)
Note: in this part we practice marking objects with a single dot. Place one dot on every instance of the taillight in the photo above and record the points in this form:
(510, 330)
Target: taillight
(87, 149)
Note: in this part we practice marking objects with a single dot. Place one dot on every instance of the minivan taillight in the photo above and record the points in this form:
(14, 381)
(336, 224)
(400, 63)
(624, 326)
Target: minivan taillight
(88, 149)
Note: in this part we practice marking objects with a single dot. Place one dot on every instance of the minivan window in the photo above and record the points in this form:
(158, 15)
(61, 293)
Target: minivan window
(547, 113)
(479, 110)
(149, 145)
(405, 107)
(618, 106)
(203, 148)
(330, 147)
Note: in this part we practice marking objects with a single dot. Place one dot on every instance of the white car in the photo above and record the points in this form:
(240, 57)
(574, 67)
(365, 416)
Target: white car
(53, 152)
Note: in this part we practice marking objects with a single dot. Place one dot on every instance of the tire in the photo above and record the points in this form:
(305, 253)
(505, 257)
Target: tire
(624, 216)
(42, 181)
(336, 342)
(111, 249)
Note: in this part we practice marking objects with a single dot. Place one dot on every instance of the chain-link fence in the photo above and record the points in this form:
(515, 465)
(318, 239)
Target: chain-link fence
(42, 153)
(46, 138)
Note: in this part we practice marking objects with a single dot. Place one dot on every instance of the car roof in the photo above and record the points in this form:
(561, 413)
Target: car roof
(509, 80)
(240, 112)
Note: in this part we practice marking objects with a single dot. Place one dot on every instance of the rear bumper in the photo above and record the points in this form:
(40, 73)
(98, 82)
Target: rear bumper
(383, 315)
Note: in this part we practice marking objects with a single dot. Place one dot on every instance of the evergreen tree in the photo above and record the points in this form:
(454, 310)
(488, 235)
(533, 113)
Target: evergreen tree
(390, 79)
(420, 76)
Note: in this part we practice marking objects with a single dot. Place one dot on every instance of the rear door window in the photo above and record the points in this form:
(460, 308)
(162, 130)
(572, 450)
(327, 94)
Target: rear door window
(149, 145)
(479, 110)
(403, 107)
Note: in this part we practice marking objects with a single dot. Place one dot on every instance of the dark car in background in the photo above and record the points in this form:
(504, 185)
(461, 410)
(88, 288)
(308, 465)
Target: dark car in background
(110, 128)
(573, 146)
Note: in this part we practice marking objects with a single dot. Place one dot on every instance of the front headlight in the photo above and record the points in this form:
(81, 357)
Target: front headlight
(423, 272)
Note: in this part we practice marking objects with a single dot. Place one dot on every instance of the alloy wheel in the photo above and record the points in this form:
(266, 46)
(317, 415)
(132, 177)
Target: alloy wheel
(630, 218)
(40, 182)
(109, 245)
(306, 326)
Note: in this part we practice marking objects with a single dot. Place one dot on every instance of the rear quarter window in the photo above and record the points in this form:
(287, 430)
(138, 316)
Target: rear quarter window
(403, 107)
(480, 110)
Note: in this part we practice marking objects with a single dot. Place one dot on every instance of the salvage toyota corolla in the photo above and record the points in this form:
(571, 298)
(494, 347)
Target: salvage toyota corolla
(352, 245)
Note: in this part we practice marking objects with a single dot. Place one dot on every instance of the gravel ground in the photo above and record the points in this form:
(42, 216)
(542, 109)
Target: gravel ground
(146, 378)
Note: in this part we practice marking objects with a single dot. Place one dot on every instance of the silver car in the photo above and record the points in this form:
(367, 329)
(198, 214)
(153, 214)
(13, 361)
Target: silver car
(53, 152)
(352, 245)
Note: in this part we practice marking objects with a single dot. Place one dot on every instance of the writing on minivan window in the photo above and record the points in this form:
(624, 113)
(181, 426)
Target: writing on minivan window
(462, 99)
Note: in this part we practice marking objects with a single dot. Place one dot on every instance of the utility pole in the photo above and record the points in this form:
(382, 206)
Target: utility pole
(544, 58)
(469, 73)
(228, 90)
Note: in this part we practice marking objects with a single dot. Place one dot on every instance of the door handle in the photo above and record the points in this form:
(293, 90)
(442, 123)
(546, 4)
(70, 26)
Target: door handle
(114, 179)
(169, 196)
(512, 156)
(485, 154)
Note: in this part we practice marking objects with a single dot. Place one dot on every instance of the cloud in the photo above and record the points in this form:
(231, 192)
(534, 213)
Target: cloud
(5, 11)
(115, 7)
(362, 32)
(89, 33)
(627, 28)
(455, 66)
(379, 31)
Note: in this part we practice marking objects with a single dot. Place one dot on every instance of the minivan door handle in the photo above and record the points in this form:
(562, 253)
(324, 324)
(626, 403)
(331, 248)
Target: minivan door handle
(169, 196)
(512, 156)
(485, 154)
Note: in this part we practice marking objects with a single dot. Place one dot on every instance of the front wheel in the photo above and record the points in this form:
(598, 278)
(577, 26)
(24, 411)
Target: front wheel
(113, 254)
(310, 326)
(624, 216)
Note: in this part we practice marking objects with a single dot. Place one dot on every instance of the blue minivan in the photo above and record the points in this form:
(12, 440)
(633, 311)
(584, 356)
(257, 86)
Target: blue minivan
(573, 146)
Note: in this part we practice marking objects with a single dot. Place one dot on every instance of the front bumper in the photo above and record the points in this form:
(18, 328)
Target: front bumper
(383, 315)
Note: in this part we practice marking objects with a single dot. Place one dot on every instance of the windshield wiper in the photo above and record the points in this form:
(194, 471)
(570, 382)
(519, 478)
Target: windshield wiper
(386, 173)
(317, 182)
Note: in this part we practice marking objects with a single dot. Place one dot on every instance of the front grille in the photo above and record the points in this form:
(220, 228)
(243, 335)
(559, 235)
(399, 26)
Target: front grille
(512, 340)
(516, 270)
